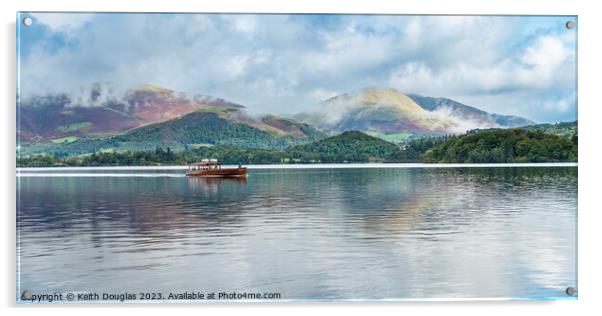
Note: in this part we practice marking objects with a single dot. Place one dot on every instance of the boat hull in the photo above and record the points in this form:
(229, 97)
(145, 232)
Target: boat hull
(236, 172)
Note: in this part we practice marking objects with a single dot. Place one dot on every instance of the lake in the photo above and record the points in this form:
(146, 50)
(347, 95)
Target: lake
(367, 232)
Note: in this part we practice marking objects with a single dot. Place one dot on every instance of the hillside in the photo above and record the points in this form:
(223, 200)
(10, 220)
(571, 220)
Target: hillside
(43, 119)
(377, 111)
(286, 126)
(496, 145)
(468, 113)
(207, 127)
(394, 116)
(346, 147)
(349, 146)
(413, 150)
(148, 117)
(504, 146)
(48, 123)
(101, 112)
(565, 129)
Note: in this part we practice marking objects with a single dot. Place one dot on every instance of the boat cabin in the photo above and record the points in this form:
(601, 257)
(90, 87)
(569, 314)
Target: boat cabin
(205, 164)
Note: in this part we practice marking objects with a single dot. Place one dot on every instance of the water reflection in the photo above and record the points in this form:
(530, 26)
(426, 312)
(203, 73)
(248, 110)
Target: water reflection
(315, 233)
(210, 186)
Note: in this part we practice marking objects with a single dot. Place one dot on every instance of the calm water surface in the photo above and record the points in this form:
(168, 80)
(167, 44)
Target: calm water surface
(305, 233)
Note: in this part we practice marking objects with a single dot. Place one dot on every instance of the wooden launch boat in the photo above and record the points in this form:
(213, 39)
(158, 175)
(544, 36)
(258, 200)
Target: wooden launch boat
(212, 168)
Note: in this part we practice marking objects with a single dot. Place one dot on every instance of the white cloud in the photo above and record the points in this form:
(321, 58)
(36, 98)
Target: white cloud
(348, 52)
(522, 83)
(286, 63)
(544, 57)
(546, 52)
(561, 105)
(462, 124)
(62, 22)
(244, 23)
(540, 68)
(235, 66)
(319, 95)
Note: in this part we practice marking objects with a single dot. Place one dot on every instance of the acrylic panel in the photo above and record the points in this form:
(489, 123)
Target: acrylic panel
(189, 157)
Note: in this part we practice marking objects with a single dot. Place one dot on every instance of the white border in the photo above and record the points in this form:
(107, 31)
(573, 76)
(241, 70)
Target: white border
(589, 171)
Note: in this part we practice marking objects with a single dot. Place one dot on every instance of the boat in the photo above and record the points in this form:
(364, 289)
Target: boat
(213, 168)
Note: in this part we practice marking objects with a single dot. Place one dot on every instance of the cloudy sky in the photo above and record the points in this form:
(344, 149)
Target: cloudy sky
(289, 63)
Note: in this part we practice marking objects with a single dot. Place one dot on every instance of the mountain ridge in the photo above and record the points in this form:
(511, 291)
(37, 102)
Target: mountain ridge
(205, 127)
(44, 118)
(109, 122)
(386, 111)
(491, 120)
(390, 114)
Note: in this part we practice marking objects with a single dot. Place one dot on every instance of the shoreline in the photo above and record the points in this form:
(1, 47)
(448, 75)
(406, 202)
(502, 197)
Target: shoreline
(321, 166)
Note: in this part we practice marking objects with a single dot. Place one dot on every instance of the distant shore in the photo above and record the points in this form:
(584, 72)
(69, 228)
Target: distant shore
(322, 166)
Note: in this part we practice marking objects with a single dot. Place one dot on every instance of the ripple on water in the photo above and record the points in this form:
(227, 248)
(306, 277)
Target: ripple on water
(308, 233)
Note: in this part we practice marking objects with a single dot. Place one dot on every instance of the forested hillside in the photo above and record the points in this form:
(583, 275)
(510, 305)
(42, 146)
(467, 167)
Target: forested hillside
(540, 143)
(503, 146)
(346, 147)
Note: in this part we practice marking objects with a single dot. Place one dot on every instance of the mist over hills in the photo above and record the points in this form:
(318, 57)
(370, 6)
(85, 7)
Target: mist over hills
(392, 115)
(469, 114)
(149, 116)
(45, 118)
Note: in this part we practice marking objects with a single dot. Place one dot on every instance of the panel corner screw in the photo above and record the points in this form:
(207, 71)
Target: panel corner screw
(26, 295)
(570, 25)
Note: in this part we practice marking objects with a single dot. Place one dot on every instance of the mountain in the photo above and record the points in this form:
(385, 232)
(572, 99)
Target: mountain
(201, 128)
(42, 119)
(287, 126)
(100, 111)
(464, 112)
(394, 116)
(149, 116)
(351, 146)
(157, 104)
(510, 121)
(378, 111)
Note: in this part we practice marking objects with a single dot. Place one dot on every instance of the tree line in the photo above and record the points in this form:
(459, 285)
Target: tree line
(490, 146)
(504, 146)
